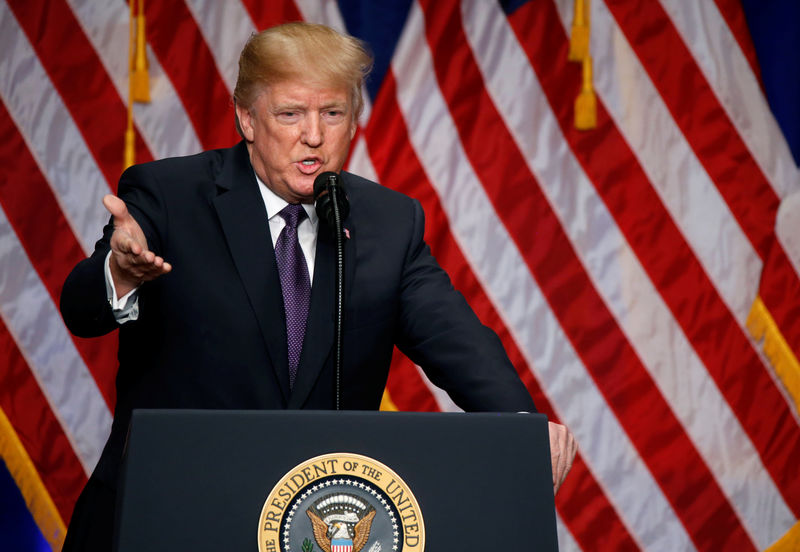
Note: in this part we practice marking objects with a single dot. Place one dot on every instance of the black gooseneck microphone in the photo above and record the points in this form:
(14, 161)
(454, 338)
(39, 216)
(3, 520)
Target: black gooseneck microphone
(332, 207)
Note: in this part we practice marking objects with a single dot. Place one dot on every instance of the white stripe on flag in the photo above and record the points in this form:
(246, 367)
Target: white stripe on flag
(225, 26)
(443, 400)
(360, 162)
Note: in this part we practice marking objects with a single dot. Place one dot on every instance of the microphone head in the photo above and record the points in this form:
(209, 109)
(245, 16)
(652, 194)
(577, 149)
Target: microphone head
(327, 188)
(321, 182)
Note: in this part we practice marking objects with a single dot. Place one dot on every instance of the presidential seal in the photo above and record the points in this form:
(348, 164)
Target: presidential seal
(341, 502)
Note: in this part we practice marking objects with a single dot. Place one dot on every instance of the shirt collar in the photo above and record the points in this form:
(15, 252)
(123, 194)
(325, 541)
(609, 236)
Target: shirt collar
(275, 203)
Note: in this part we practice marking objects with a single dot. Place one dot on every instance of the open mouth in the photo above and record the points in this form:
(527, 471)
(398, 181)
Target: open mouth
(309, 165)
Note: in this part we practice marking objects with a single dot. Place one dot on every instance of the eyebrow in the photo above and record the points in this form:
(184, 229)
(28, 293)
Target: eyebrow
(295, 106)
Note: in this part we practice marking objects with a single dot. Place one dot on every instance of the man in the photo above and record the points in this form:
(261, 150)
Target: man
(241, 315)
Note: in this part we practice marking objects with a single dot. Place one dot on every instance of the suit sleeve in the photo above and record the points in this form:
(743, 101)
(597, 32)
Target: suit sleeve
(84, 303)
(440, 332)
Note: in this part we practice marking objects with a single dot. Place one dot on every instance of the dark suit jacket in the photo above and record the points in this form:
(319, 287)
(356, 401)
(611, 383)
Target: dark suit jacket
(211, 333)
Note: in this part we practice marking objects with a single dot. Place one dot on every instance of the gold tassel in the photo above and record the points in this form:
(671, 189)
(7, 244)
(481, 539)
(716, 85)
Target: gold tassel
(138, 77)
(129, 149)
(579, 37)
(139, 73)
(586, 103)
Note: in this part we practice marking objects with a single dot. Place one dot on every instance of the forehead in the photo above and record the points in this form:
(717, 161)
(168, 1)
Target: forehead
(306, 93)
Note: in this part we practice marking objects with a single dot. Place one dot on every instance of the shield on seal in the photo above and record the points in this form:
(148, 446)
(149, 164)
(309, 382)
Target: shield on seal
(341, 545)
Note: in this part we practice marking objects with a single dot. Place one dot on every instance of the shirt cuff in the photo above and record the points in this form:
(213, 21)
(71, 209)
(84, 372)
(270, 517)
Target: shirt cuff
(126, 308)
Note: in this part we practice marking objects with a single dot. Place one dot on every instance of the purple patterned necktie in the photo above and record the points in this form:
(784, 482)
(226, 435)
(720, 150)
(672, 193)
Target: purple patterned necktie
(295, 284)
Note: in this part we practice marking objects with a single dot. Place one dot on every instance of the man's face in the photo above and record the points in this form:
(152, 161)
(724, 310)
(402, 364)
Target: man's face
(294, 132)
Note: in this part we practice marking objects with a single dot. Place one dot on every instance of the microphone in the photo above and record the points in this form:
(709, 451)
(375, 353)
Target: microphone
(327, 191)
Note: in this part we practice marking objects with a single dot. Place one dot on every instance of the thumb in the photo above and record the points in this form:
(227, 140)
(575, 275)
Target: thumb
(116, 207)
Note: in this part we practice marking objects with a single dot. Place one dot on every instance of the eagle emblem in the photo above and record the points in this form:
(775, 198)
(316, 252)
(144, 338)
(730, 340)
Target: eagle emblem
(341, 522)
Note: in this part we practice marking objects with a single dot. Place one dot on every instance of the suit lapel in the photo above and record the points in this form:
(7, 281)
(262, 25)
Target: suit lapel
(243, 218)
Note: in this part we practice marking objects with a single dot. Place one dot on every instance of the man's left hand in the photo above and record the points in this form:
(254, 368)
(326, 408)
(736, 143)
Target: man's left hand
(562, 452)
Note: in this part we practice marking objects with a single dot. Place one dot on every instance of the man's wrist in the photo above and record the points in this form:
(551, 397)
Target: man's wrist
(125, 306)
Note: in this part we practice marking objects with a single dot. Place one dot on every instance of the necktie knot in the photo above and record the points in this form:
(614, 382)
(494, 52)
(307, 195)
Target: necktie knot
(293, 214)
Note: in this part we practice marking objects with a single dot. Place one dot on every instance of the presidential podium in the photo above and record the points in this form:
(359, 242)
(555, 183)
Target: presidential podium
(314, 481)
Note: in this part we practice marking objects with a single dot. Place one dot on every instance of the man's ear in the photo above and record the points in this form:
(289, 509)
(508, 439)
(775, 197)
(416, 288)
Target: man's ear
(244, 120)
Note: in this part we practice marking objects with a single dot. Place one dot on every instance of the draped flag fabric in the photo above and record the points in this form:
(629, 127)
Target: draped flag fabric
(626, 267)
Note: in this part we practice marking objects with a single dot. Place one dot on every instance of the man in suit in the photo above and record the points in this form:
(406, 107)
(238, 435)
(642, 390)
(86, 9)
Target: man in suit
(219, 326)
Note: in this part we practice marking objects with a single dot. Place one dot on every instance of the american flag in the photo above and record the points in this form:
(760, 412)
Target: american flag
(626, 268)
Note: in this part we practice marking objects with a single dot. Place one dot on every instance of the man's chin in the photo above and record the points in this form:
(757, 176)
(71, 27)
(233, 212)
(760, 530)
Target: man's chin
(303, 189)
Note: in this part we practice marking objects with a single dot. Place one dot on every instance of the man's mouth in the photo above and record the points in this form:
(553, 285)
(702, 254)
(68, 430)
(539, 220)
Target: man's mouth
(309, 165)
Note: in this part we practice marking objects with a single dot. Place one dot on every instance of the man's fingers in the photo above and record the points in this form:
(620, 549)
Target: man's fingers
(562, 452)
(124, 243)
(115, 206)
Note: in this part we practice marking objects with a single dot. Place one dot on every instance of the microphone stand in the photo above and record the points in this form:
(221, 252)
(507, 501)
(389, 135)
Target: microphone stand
(339, 302)
(333, 207)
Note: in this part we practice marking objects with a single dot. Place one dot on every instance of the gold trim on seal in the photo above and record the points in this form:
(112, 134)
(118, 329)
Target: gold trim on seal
(367, 472)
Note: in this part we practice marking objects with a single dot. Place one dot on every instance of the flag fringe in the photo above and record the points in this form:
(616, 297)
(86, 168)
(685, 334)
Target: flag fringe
(38, 500)
(763, 328)
(790, 542)
(387, 404)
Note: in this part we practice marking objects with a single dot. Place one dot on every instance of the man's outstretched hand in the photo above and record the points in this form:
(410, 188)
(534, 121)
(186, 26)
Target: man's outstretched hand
(562, 452)
(131, 263)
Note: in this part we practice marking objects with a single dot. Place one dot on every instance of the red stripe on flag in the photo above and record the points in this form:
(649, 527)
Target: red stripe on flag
(716, 336)
(69, 58)
(780, 291)
(177, 41)
(733, 14)
(40, 432)
(266, 14)
(398, 167)
(48, 240)
(591, 328)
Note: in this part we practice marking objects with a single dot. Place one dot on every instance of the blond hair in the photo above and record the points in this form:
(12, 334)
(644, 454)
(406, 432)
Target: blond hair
(293, 51)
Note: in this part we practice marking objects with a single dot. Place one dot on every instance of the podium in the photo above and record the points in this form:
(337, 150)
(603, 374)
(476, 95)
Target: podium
(308, 481)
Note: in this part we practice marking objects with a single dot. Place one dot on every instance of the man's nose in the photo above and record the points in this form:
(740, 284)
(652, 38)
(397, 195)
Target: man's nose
(312, 131)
